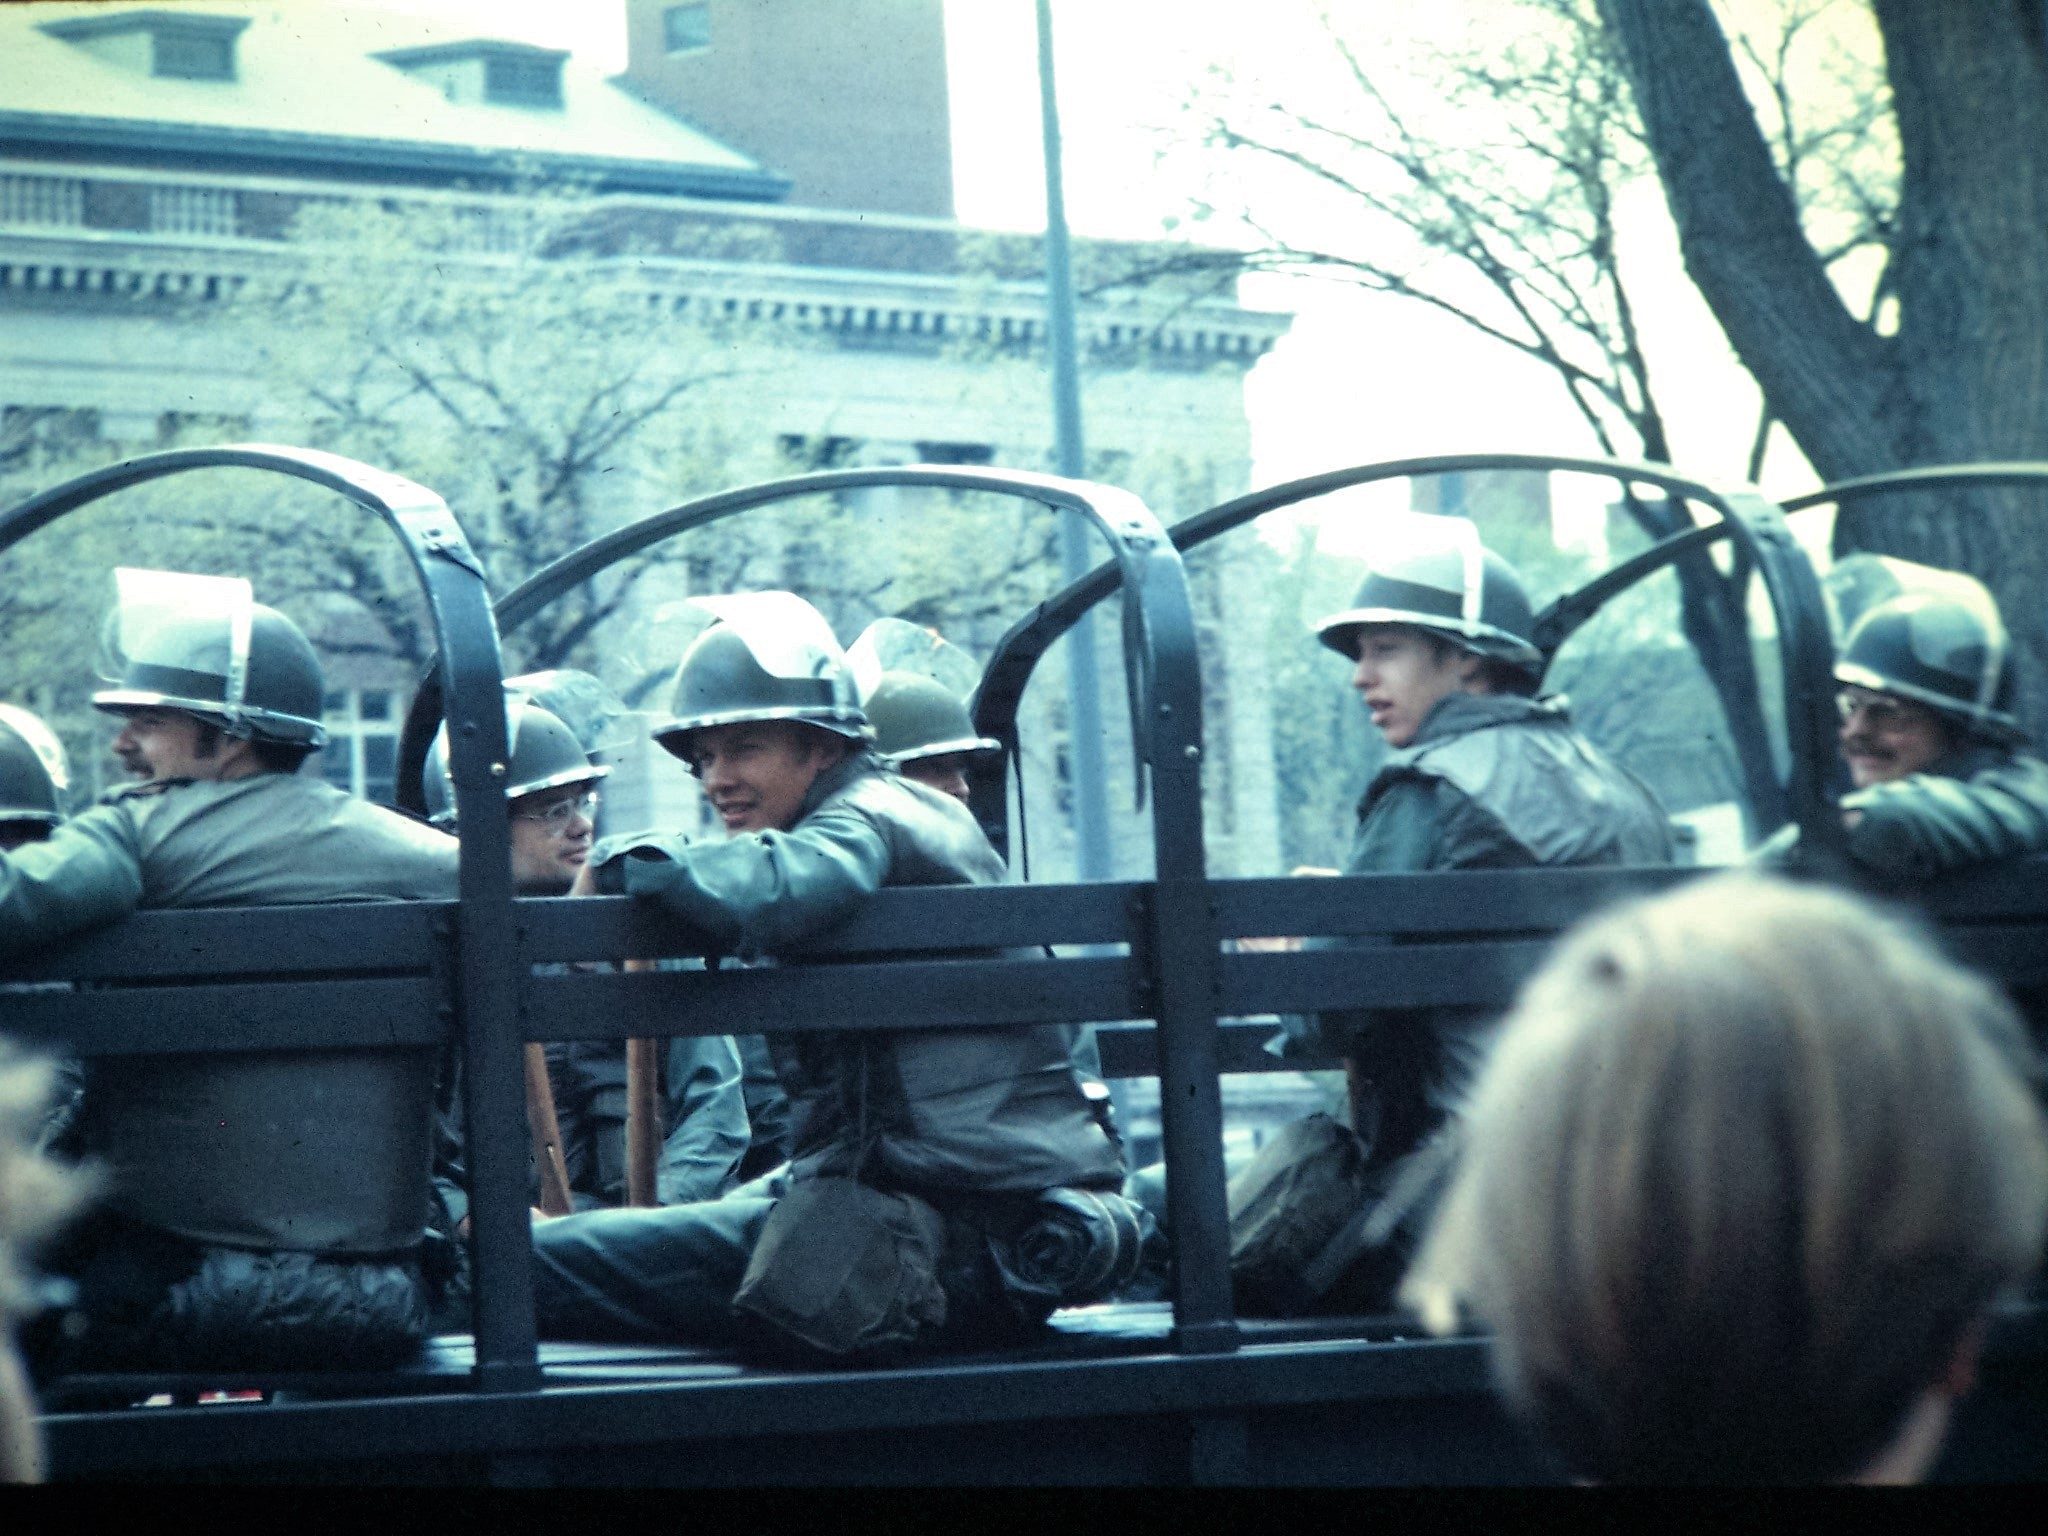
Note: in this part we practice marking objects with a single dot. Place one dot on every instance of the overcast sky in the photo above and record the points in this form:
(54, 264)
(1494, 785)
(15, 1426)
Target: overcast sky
(1361, 377)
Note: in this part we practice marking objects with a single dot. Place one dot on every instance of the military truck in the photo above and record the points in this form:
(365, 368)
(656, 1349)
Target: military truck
(1180, 1390)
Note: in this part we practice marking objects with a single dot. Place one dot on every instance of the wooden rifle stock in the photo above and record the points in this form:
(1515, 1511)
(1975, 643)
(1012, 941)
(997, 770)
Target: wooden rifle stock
(643, 1113)
(547, 1135)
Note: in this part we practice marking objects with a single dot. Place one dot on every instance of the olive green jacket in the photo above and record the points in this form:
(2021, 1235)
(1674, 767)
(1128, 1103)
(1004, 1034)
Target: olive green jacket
(986, 1110)
(1503, 782)
(1978, 805)
(1489, 782)
(324, 1152)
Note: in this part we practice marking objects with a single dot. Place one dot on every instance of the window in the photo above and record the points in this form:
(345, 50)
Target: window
(956, 453)
(192, 210)
(523, 82)
(686, 28)
(194, 56)
(361, 755)
(56, 200)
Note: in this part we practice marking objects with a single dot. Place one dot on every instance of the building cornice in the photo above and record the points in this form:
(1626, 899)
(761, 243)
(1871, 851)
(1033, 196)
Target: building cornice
(82, 140)
(890, 309)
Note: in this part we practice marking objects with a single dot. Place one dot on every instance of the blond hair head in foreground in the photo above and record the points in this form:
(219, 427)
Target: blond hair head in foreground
(36, 1196)
(1747, 1167)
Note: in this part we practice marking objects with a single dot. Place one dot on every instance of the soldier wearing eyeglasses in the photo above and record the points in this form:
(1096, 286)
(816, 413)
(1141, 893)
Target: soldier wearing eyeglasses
(1937, 758)
(946, 1187)
(552, 788)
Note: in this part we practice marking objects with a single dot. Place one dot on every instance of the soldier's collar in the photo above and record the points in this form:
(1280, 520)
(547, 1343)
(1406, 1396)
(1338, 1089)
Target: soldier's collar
(835, 778)
(148, 788)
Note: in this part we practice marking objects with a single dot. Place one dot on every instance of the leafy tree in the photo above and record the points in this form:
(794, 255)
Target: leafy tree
(1945, 365)
(1504, 210)
(1850, 181)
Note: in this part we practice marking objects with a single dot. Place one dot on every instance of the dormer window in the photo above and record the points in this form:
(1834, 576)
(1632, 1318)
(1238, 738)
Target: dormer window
(486, 70)
(686, 28)
(195, 56)
(523, 82)
(171, 45)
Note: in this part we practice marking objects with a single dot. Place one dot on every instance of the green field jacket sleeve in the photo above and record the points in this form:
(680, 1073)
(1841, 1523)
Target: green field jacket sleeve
(86, 874)
(1982, 806)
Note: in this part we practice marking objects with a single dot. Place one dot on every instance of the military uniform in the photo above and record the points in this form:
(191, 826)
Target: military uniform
(704, 1110)
(1487, 778)
(978, 1123)
(1489, 782)
(278, 1199)
(1938, 643)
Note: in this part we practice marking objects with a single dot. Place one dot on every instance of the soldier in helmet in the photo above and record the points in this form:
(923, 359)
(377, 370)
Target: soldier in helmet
(914, 686)
(263, 1208)
(33, 778)
(1482, 775)
(929, 1171)
(551, 784)
(1929, 736)
(923, 731)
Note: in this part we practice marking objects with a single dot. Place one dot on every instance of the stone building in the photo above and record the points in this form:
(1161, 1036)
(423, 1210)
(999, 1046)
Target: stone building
(153, 161)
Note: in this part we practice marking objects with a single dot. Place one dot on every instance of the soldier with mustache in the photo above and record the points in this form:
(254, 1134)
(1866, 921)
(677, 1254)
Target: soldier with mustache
(1937, 757)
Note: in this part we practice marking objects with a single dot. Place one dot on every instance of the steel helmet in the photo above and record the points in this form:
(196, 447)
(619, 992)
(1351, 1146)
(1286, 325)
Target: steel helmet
(33, 770)
(544, 754)
(766, 656)
(914, 684)
(918, 717)
(1946, 648)
(1442, 579)
(203, 645)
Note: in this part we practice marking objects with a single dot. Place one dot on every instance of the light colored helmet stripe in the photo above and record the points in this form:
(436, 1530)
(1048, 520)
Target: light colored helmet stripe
(1996, 644)
(241, 618)
(1474, 557)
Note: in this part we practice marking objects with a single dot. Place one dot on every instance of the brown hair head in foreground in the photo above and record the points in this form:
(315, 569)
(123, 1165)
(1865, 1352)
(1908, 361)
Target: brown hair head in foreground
(1745, 1171)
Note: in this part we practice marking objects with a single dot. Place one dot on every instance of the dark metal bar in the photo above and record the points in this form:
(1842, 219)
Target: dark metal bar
(1019, 651)
(797, 999)
(567, 1420)
(1445, 901)
(893, 921)
(339, 1013)
(1182, 950)
(485, 976)
(275, 942)
(1483, 974)
(1933, 477)
(196, 941)
(1758, 526)
(1806, 659)
(1132, 1050)
(1114, 512)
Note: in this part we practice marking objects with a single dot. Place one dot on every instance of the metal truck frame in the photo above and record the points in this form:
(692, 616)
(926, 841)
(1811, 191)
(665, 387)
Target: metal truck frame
(1174, 1392)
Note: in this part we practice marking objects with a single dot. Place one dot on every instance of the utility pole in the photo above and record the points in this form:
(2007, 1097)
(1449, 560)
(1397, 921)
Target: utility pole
(1086, 779)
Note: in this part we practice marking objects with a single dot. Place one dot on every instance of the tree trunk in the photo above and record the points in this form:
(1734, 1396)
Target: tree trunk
(1965, 376)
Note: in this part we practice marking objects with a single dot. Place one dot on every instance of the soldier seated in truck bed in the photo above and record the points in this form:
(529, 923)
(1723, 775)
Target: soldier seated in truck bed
(944, 1185)
(264, 1208)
